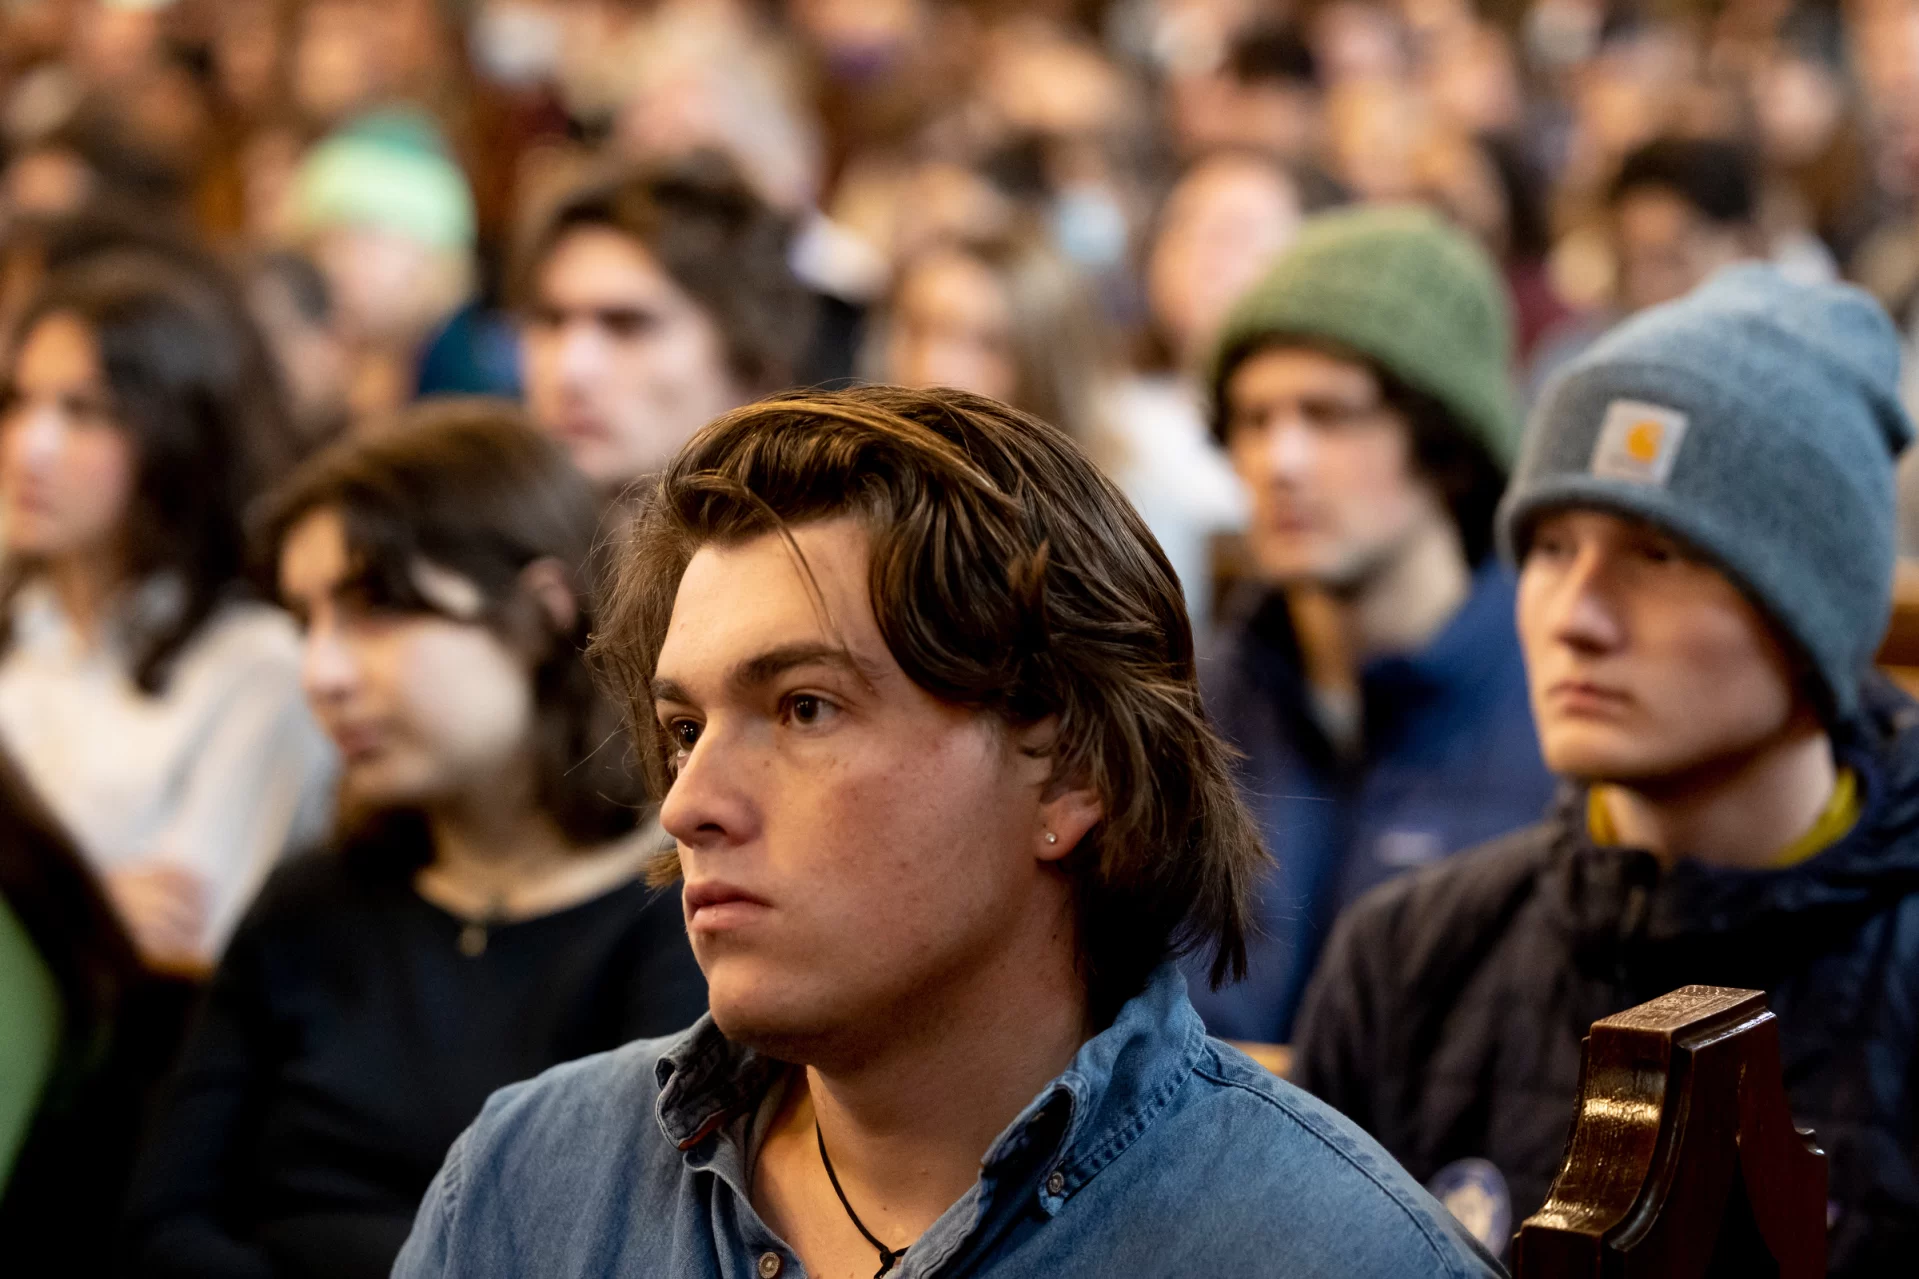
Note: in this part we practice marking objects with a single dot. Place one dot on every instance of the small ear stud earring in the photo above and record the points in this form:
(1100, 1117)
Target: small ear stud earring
(1051, 838)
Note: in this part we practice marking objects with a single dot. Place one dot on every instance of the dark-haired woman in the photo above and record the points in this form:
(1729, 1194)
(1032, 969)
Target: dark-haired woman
(485, 914)
(153, 705)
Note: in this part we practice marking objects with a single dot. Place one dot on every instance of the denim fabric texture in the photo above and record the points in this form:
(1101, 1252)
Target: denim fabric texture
(1157, 1152)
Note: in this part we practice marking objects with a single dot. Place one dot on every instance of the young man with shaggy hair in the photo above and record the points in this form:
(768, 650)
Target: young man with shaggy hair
(945, 808)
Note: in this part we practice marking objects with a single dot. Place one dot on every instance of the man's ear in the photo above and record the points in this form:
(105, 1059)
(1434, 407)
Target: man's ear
(545, 582)
(1064, 818)
(1068, 808)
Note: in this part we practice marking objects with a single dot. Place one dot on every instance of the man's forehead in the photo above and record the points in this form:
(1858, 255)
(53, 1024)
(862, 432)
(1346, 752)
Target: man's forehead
(1296, 366)
(738, 600)
(597, 262)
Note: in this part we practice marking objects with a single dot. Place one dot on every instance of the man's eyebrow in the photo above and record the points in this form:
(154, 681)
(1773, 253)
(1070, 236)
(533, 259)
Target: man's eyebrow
(775, 662)
(665, 690)
(763, 668)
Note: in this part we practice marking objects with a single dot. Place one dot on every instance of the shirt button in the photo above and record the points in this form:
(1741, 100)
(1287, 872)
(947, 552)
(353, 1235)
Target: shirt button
(1056, 1183)
(770, 1264)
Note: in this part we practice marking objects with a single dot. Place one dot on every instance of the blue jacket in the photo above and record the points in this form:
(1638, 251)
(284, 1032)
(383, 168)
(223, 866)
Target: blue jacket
(1158, 1152)
(1450, 759)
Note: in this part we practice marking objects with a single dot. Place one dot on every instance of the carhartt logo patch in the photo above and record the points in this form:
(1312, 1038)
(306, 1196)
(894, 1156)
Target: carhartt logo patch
(1638, 442)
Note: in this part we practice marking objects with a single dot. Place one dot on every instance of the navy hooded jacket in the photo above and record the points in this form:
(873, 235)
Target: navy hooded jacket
(1448, 759)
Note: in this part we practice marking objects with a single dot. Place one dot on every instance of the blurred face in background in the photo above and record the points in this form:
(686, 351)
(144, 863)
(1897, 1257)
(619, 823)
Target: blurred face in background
(952, 325)
(311, 355)
(67, 469)
(1228, 218)
(1643, 661)
(425, 709)
(1374, 129)
(391, 289)
(1329, 466)
(47, 182)
(1666, 247)
(621, 365)
(342, 56)
(1458, 179)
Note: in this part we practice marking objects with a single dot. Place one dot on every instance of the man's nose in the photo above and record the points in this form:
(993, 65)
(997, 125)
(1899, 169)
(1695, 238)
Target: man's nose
(582, 351)
(1289, 447)
(705, 806)
(1585, 610)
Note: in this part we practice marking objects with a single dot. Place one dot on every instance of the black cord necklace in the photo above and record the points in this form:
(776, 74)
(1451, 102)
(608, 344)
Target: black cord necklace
(889, 1257)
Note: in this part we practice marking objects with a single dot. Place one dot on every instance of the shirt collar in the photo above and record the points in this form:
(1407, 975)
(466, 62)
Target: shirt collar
(1082, 1120)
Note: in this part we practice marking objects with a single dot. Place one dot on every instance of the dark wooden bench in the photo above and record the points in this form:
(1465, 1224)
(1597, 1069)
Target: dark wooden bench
(1683, 1162)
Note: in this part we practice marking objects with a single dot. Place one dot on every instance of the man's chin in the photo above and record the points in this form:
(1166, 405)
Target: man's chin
(765, 1015)
(1597, 759)
(773, 1033)
(1309, 564)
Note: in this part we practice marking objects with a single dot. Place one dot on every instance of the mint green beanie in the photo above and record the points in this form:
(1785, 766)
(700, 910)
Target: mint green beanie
(1406, 290)
(389, 170)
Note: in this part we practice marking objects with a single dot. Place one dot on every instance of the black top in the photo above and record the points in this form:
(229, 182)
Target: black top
(1448, 1016)
(347, 1041)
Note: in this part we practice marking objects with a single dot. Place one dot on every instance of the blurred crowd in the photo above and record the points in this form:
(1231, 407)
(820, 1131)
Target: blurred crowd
(1053, 202)
(260, 239)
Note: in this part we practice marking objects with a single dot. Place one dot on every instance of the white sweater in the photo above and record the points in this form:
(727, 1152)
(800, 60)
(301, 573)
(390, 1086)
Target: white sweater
(221, 773)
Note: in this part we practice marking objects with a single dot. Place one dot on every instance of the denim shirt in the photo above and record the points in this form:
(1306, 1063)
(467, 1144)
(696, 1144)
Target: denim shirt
(1449, 759)
(1157, 1152)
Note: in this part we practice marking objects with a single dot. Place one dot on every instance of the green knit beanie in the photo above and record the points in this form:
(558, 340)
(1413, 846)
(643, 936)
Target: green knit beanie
(1406, 290)
(389, 170)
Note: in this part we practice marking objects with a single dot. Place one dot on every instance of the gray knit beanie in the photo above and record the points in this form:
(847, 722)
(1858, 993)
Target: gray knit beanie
(1758, 421)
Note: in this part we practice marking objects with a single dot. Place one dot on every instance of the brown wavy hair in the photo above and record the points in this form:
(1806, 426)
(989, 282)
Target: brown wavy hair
(719, 241)
(469, 485)
(1008, 576)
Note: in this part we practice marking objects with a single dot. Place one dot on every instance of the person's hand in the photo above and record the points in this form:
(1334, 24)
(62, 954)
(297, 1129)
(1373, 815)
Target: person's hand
(164, 907)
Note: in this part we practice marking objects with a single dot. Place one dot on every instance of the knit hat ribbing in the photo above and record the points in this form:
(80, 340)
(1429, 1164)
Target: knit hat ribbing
(1403, 288)
(1758, 421)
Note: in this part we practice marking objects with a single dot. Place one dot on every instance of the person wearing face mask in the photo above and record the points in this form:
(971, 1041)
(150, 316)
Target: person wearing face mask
(482, 914)
(147, 698)
(650, 302)
(1703, 515)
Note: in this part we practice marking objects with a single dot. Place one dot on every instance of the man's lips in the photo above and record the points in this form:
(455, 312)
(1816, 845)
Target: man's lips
(713, 904)
(1579, 696)
(357, 741)
(579, 427)
(1294, 522)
